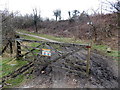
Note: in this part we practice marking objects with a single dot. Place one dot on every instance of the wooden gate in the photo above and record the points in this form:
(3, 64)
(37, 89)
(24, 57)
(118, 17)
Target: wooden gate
(73, 58)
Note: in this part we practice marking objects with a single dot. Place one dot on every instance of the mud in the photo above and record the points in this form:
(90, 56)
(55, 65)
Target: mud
(103, 74)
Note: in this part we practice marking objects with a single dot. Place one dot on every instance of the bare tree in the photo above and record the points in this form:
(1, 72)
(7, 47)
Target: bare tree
(69, 13)
(114, 7)
(117, 7)
(57, 13)
(75, 13)
(7, 24)
(36, 18)
(7, 31)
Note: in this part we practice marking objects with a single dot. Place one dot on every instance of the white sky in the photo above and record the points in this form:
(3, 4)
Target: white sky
(48, 6)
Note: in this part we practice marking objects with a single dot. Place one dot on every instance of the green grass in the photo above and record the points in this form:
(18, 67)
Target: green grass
(115, 54)
(103, 49)
(7, 66)
(35, 44)
(28, 37)
(18, 81)
(15, 81)
(7, 69)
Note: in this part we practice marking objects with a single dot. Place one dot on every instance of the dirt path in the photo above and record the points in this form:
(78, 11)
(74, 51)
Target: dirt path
(36, 37)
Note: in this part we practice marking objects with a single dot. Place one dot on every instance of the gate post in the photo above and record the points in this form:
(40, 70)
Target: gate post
(18, 53)
(88, 60)
(11, 49)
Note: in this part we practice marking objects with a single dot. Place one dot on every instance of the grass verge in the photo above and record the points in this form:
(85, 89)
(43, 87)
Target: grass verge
(8, 65)
(103, 49)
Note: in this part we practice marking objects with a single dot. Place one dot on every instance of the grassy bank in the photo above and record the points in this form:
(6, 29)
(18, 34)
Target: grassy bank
(8, 65)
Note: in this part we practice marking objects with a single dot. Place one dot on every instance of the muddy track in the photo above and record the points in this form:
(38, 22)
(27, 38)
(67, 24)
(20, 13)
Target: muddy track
(104, 71)
(103, 74)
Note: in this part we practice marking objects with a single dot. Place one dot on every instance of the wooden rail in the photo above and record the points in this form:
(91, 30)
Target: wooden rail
(63, 44)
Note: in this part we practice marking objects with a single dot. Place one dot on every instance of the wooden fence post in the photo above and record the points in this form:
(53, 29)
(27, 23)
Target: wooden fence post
(11, 49)
(88, 60)
(18, 54)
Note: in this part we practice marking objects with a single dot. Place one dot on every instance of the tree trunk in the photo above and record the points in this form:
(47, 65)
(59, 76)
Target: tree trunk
(56, 18)
(118, 15)
(95, 33)
(36, 28)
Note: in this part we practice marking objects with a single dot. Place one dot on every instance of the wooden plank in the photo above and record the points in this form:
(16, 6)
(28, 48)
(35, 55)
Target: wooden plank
(67, 44)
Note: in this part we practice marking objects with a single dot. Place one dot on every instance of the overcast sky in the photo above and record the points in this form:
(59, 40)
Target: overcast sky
(48, 6)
